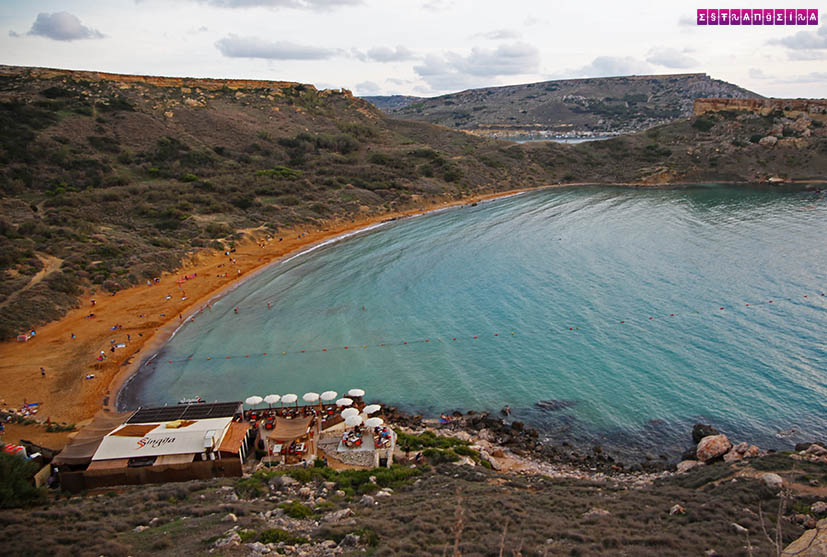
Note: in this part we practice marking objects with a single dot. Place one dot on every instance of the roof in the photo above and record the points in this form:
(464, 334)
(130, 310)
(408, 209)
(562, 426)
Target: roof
(287, 430)
(234, 437)
(79, 451)
(164, 439)
(194, 411)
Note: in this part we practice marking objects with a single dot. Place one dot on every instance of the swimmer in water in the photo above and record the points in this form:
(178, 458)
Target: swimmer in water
(236, 310)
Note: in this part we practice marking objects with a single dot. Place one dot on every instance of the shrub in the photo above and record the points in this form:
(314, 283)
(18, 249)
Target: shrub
(703, 124)
(16, 487)
(280, 172)
(296, 510)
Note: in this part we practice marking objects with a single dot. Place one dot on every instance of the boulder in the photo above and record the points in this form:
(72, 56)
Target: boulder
(677, 509)
(337, 515)
(596, 512)
(812, 543)
(713, 446)
(732, 456)
(772, 481)
(688, 465)
(816, 450)
(230, 518)
(699, 431)
(367, 501)
(768, 141)
(802, 123)
(819, 508)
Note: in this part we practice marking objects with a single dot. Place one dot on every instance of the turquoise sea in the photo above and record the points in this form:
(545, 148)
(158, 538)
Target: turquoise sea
(558, 287)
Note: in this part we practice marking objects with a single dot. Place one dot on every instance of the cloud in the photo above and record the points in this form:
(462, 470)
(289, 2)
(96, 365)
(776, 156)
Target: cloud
(438, 5)
(812, 77)
(686, 21)
(384, 54)
(497, 35)
(367, 88)
(233, 46)
(670, 58)
(758, 73)
(452, 71)
(61, 26)
(805, 45)
(608, 66)
(320, 5)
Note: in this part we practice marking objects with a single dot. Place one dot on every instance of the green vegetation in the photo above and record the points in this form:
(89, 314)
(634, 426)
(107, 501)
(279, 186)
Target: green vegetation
(16, 486)
(271, 535)
(294, 509)
(703, 124)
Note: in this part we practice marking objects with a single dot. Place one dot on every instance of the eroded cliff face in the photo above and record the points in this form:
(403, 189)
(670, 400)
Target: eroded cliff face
(792, 108)
(157, 81)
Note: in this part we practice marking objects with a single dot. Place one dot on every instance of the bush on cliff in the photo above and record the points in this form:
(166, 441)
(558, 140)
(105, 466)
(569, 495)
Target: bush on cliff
(16, 487)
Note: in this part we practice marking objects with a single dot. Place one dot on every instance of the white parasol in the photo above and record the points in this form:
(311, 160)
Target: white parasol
(348, 412)
(344, 402)
(352, 421)
(289, 398)
(253, 400)
(272, 399)
(310, 397)
(356, 392)
(374, 422)
(329, 395)
(371, 408)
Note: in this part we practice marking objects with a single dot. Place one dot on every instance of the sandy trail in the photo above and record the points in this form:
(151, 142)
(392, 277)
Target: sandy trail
(50, 264)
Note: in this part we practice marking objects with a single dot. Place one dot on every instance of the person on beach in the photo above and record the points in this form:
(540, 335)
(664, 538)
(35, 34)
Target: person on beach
(42, 372)
(236, 310)
(268, 305)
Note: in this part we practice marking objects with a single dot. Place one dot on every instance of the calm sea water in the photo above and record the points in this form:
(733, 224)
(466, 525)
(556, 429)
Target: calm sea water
(552, 274)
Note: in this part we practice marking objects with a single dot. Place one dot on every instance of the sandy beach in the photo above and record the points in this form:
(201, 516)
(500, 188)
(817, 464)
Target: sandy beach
(133, 324)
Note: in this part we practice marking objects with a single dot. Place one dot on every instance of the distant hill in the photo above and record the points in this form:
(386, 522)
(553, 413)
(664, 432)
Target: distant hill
(569, 107)
(392, 102)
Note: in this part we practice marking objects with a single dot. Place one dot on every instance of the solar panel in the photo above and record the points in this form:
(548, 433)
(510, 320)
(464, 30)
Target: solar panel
(194, 411)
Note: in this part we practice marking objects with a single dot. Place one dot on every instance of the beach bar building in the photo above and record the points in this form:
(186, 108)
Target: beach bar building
(155, 445)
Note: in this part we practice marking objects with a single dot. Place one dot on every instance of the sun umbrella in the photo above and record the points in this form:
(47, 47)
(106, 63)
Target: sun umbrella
(374, 422)
(344, 402)
(348, 412)
(289, 398)
(310, 397)
(271, 399)
(253, 400)
(353, 421)
(371, 408)
(356, 392)
(329, 395)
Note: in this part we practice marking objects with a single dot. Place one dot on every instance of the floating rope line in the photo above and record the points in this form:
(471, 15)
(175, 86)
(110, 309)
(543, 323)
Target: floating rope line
(452, 339)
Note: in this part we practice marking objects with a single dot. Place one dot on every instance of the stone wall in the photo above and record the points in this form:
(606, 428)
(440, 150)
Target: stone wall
(792, 108)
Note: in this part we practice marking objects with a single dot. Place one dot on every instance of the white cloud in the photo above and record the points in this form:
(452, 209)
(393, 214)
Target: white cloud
(758, 73)
(670, 58)
(608, 66)
(805, 45)
(497, 35)
(320, 5)
(61, 26)
(384, 54)
(686, 21)
(451, 71)
(234, 46)
(367, 88)
(438, 5)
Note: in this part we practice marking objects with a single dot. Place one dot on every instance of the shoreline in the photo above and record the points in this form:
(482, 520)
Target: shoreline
(66, 396)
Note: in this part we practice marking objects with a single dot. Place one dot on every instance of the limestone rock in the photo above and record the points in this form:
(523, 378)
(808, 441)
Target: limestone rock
(712, 447)
(812, 543)
(732, 456)
(688, 465)
(699, 431)
(772, 481)
(230, 518)
(596, 512)
(768, 141)
(367, 501)
(140, 528)
(677, 509)
(337, 515)
(802, 123)
(819, 508)
(816, 450)
(305, 491)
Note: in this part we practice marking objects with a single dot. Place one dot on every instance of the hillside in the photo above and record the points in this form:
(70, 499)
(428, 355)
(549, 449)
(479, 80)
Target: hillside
(108, 180)
(570, 107)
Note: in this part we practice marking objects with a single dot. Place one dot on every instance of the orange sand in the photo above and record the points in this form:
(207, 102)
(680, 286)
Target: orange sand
(66, 395)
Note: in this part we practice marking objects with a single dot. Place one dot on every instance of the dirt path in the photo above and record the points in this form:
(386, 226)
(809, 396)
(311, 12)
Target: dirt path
(50, 265)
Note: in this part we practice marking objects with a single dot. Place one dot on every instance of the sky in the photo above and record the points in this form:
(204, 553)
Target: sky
(411, 47)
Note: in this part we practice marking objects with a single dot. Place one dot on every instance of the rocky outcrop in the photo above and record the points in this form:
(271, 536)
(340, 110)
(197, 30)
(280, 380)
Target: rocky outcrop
(712, 447)
(772, 481)
(813, 543)
(813, 108)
